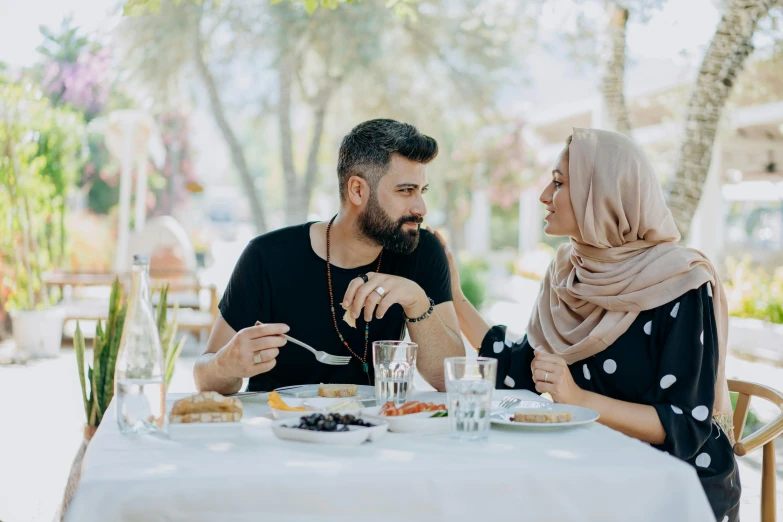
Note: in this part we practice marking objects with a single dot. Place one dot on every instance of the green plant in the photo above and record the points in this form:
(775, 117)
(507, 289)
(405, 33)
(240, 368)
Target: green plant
(168, 334)
(40, 154)
(100, 376)
(753, 293)
(472, 280)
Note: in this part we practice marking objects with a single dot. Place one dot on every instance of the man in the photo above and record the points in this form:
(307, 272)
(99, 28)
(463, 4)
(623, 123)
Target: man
(382, 268)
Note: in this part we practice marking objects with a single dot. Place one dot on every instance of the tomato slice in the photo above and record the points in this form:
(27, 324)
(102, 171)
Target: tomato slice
(410, 407)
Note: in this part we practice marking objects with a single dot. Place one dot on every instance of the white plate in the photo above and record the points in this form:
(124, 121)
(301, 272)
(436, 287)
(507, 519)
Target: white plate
(579, 416)
(205, 430)
(310, 391)
(413, 423)
(286, 429)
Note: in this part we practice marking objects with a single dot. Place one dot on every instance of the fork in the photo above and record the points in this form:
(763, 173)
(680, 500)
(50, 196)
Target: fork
(322, 357)
(509, 402)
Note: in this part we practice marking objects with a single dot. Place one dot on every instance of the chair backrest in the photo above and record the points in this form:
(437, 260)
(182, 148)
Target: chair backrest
(746, 390)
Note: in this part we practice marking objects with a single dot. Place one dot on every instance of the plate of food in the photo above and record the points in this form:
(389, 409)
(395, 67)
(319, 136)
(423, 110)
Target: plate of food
(544, 415)
(289, 408)
(329, 391)
(205, 415)
(332, 428)
(411, 417)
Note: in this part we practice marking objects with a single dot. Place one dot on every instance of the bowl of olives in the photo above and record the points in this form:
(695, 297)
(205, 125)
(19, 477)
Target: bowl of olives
(329, 428)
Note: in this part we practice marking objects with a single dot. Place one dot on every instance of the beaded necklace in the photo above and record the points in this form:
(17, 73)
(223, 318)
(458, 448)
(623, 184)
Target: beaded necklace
(363, 359)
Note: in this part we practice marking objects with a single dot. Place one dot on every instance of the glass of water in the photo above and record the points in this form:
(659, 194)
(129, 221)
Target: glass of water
(469, 383)
(395, 365)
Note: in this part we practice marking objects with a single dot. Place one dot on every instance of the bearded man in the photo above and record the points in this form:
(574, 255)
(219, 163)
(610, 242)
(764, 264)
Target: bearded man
(366, 275)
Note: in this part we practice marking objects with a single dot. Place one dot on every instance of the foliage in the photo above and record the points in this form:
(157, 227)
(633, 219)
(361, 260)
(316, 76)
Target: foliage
(401, 8)
(106, 345)
(472, 273)
(168, 334)
(40, 155)
(753, 293)
(76, 72)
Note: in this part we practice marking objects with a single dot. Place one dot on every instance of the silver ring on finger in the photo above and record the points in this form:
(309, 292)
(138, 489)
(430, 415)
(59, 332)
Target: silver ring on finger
(381, 291)
(546, 376)
(257, 358)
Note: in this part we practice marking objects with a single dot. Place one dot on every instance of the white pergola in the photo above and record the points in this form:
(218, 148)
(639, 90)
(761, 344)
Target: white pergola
(132, 137)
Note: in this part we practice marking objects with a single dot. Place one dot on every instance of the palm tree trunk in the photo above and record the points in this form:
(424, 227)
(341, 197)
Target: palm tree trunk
(723, 61)
(613, 70)
(219, 113)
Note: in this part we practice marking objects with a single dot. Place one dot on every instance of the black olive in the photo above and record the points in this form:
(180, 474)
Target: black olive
(348, 419)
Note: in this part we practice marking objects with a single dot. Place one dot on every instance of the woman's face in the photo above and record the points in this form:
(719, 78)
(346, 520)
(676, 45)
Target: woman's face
(560, 219)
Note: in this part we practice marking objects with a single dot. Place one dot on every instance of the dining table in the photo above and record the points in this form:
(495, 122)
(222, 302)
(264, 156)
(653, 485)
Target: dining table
(581, 473)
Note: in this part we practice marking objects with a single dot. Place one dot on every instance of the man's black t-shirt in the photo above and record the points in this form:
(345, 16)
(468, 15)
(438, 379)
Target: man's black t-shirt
(280, 279)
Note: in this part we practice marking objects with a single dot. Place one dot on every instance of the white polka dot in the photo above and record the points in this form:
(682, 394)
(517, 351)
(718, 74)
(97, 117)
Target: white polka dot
(703, 460)
(700, 413)
(586, 371)
(668, 380)
(701, 337)
(648, 327)
(610, 366)
(676, 410)
(508, 343)
(497, 346)
(709, 293)
(508, 381)
(725, 519)
(675, 309)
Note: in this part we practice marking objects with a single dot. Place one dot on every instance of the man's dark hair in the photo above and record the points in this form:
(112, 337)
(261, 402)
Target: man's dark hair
(367, 150)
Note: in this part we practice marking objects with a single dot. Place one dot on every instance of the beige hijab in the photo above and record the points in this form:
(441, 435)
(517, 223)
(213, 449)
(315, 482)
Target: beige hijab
(626, 261)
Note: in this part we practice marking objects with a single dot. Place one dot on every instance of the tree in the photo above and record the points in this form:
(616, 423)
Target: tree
(726, 55)
(305, 62)
(612, 82)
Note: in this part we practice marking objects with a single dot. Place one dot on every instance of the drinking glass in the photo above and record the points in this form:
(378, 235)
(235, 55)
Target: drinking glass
(469, 383)
(395, 365)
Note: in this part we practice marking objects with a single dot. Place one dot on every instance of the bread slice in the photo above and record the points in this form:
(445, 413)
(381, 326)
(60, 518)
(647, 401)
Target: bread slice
(337, 390)
(188, 418)
(541, 416)
(348, 318)
(207, 402)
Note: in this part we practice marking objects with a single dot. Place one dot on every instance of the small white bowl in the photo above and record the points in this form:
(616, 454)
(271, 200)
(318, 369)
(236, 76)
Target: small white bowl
(422, 422)
(286, 429)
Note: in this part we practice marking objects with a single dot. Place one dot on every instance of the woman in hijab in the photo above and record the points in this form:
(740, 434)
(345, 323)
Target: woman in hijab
(627, 322)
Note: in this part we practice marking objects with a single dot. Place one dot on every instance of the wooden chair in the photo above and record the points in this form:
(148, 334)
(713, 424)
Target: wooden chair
(764, 437)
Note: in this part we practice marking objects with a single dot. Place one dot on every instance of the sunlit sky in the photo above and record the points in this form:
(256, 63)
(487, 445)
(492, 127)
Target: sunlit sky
(664, 48)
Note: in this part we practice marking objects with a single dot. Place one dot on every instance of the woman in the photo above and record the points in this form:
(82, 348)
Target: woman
(627, 322)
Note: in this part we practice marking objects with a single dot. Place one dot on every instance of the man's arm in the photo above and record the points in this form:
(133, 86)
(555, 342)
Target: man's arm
(439, 337)
(230, 356)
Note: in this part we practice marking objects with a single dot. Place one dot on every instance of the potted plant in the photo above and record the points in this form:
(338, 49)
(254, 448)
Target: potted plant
(97, 380)
(40, 155)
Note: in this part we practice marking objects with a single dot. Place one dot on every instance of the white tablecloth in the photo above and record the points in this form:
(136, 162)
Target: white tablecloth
(579, 474)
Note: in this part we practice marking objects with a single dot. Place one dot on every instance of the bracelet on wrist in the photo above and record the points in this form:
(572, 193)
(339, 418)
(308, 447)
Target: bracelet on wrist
(426, 314)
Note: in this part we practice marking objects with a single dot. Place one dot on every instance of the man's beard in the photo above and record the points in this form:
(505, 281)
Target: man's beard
(379, 227)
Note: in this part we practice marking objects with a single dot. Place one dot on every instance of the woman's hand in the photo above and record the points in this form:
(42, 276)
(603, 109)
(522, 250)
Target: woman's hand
(551, 374)
(456, 288)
